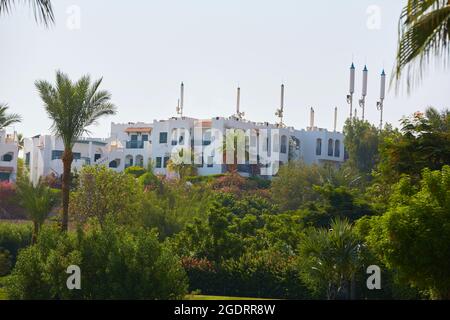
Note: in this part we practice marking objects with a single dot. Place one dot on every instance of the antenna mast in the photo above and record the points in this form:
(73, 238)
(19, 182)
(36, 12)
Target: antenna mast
(380, 104)
(280, 112)
(181, 101)
(362, 101)
(352, 89)
(239, 114)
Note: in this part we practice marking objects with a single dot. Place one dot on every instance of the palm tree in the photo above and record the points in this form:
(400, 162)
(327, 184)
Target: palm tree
(181, 163)
(37, 200)
(424, 32)
(20, 140)
(43, 11)
(330, 258)
(73, 106)
(7, 119)
(233, 140)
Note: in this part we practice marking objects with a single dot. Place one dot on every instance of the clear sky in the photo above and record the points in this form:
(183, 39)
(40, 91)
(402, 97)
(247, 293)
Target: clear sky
(144, 49)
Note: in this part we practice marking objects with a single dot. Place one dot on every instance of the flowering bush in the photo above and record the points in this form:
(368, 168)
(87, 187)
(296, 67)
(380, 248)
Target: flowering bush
(9, 208)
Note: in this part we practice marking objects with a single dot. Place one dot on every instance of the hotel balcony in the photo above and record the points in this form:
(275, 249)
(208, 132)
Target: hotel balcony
(135, 144)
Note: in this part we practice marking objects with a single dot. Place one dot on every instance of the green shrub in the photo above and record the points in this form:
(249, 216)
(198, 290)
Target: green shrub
(263, 274)
(5, 262)
(104, 194)
(13, 237)
(115, 263)
(260, 182)
(200, 179)
(135, 171)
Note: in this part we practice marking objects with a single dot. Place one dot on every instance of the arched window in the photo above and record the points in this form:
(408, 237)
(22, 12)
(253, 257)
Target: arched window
(128, 161)
(283, 144)
(318, 147)
(139, 161)
(114, 164)
(337, 148)
(7, 157)
(330, 147)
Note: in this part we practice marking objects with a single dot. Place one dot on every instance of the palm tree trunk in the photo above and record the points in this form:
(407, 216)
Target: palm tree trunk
(35, 232)
(353, 288)
(66, 180)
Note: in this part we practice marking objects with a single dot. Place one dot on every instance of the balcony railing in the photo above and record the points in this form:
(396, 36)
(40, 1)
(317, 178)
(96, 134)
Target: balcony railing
(135, 144)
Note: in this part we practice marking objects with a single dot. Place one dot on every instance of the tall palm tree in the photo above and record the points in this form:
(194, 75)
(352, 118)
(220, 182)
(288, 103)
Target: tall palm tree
(7, 119)
(424, 32)
(43, 11)
(73, 106)
(37, 200)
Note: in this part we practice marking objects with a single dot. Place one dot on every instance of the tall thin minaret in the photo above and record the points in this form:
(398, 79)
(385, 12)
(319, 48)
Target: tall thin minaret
(280, 112)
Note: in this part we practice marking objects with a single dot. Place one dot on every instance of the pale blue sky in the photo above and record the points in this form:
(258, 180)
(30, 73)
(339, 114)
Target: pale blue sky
(144, 49)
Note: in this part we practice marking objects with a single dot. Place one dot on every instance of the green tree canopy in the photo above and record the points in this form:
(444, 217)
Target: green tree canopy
(413, 236)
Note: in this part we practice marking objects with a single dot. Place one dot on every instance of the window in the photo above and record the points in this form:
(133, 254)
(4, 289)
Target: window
(27, 158)
(4, 176)
(200, 165)
(128, 161)
(207, 138)
(97, 156)
(210, 162)
(145, 137)
(318, 147)
(166, 160)
(7, 157)
(139, 161)
(158, 162)
(330, 147)
(76, 156)
(337, 148)
(134, 137)
(283, 144)
(163, 137)
(57, 154)
(113, 164)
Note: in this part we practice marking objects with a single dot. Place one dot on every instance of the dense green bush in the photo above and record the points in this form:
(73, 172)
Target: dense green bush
(13, 237)
(263, 274)
(200, 179)
(105, 194)
(135, 171)
(115, 263)
(413, 236)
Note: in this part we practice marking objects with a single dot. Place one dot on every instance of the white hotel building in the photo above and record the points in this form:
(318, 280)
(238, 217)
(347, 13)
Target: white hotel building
(9, 150)
(137, 144)
(261, 147)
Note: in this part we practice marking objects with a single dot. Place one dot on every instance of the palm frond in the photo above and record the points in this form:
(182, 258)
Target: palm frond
(424, 33)
(73, 106)
(8, 119)
(42, 9)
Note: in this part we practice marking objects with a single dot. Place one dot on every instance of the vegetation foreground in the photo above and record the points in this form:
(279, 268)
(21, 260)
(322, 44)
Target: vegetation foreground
(310, 233)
